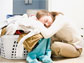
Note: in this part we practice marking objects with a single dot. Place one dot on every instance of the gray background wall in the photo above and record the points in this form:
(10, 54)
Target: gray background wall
(19, 6)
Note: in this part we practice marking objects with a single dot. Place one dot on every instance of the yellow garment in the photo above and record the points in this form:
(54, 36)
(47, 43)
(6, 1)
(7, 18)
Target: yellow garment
(30, 42)
(3, 31)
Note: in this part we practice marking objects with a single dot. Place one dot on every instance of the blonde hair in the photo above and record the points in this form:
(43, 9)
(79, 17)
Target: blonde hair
(54, 14)
(42, 13)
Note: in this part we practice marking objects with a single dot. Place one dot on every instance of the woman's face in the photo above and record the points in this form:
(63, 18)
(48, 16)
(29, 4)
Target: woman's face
(46, 20)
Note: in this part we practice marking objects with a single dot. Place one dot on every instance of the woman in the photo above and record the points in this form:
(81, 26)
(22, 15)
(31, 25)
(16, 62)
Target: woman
(69, 41)
(42, 51)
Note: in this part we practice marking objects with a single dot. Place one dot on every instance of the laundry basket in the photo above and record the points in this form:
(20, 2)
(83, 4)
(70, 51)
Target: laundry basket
(0, 46)
(8, 47)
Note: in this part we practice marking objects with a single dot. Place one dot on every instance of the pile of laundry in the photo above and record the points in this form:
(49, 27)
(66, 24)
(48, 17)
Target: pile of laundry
(24, 26)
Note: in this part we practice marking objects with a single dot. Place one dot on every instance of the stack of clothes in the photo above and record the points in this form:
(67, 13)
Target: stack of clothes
(22, 26)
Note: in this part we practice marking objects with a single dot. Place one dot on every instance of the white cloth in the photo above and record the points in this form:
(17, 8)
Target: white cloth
(26, 24)
(10, 20)
(2, 24)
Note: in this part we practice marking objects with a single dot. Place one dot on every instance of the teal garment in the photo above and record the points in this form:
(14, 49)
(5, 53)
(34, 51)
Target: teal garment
(42, 52)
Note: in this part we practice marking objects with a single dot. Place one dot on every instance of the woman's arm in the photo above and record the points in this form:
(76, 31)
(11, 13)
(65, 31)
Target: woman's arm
(55, 27)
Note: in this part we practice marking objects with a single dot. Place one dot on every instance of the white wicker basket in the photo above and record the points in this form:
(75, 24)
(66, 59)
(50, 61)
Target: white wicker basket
(0, 46)
(8, 47)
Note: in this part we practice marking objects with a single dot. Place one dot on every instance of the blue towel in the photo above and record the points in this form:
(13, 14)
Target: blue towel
(42, 52)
